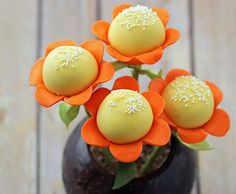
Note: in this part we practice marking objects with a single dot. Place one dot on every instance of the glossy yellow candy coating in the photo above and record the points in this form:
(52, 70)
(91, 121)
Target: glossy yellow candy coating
(68, 70)
(124, 116)
(136, 30)
(189, 102)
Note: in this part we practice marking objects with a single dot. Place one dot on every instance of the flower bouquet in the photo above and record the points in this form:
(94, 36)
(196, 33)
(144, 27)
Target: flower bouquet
(131, 141)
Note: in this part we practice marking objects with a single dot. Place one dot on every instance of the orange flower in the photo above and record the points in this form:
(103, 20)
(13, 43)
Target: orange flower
(47, 98)
(101, 30)
(158, 135)
(217, 125)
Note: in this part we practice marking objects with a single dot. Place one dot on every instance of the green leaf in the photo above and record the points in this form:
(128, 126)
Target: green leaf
(68, 113)
(125, 173)
(202, 146)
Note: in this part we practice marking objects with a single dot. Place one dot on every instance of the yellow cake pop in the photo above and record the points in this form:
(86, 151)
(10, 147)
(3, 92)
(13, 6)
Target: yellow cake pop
(69, 70)
(124, 116)
(189, 102)
(136, 30)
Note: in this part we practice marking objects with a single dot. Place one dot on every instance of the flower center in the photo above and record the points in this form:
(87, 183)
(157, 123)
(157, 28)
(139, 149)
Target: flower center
(124, 116)
(189, 102)
(68, 70)
(131, 24)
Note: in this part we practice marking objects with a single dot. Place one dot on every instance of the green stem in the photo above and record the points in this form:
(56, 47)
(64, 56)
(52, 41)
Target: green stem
(147, 167)
(151, 74)
(119, 65)
(136, 72)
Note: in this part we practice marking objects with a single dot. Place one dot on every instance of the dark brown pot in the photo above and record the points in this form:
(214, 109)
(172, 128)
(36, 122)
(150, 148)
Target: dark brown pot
(81, 174)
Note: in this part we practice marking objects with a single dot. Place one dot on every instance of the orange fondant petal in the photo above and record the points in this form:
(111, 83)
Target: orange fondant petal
(192, 135)
(163, 14)
(36, 73)
(126, 152)
(172, 74)
(159, 134)
(219, 123)
(150, 57)
(100, 29)
(126, 82)
(53, 45)
(172, 35)
(218, 95)
(91, 135)
(80, 98)
(95, 47)
(94, 102)
(106, 73)
(157, 85)
(46, 98)
(119, 9)
(167, 119)
(114, 53)
(156, 101)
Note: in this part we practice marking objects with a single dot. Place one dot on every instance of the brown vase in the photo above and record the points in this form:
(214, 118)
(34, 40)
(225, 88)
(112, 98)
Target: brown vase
(82, 175)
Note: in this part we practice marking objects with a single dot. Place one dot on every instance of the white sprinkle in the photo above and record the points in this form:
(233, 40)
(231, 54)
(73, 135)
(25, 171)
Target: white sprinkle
(138, 16)
(190, 90)
(112, 104)
(67, 56)
(134, 103)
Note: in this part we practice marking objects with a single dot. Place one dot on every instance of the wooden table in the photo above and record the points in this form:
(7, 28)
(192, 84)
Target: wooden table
(32, 138)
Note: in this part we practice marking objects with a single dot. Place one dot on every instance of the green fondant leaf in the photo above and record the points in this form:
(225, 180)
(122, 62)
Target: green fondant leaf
(125, 173)
(68, 113)
(202, 146)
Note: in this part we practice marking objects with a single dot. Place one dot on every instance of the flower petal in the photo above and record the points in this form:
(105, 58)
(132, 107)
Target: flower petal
(119, 9)
(117, 55)
(156, 101)
(46, 98)
(219, 124)
(218, 95)
(159, 134)
(96, 99)
(106, 73)
(172, 74)
(157, 85)
(100, 29)
(167, 119)
(150, 57)
(95, 47)
(126, 82)
(192, 135)
(80, 98)
(163, 14)
(172, 35)
(53, 45)
(36, 73)
(91, 135)
(126, 152)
